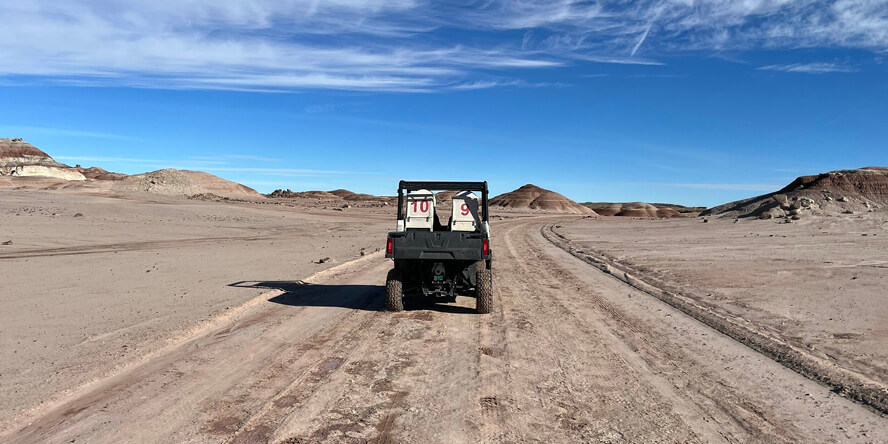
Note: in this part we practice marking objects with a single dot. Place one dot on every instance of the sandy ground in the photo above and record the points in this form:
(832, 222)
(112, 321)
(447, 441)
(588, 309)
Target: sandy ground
(820, 283)
(183, 321)
(84, 295)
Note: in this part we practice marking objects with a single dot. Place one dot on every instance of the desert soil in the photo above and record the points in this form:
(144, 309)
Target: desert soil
(90, 284)
(185, 321)
(820, 284)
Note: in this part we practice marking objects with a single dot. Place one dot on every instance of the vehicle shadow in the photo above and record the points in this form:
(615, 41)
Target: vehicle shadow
(356, 297)
(418, 303)
(304, 294)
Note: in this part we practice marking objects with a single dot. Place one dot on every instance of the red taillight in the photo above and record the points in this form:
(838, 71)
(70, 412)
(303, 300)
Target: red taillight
(485, 247)
(389, 246)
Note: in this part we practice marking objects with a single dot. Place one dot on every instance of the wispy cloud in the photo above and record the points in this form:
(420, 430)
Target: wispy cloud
(326, 108)
(839, 117)
(654, 76)
(759, 187)
(696, 155)
(208, 164)
(617, 60)
(285, 171)
(226, 158)
(484, 84)
(641, 39)
(398, 45)
(810, 68)
(30, 130)
(125, 160)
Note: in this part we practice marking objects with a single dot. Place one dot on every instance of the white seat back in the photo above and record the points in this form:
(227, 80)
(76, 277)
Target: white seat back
(464, 215)
(421, 210)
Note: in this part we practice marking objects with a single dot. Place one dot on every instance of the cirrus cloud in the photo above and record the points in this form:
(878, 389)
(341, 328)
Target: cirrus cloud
(399, 45)
(810, 68)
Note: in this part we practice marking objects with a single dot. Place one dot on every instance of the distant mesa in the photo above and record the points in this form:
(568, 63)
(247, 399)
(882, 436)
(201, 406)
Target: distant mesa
(683, 210)
(349, 195)
(324, 195)
(868, 183)
(635, 209)
(21, 159)
(835, 192)
(21, 152)
(25, 166)
(532, 197)
(340, 194)
(445, 197)
(289, 194)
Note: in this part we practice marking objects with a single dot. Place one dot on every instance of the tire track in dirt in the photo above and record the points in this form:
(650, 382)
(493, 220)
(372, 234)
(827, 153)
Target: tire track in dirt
(755, 402)
(234, 318)
(493, 366)
(394, 388)
(629, 368)
(135, 246)
(342, 341)
(361, 400)
(266, 234)
(852, 384)
(121, 246)
(181, 368)
(656, 360)
(569, 396)
(349, 348)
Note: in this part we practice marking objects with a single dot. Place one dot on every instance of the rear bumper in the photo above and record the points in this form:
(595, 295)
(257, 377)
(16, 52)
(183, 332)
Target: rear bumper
(437, 245)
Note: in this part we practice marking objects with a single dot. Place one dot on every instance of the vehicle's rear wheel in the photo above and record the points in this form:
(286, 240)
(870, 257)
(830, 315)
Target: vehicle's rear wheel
(394, 291)
(483, 289)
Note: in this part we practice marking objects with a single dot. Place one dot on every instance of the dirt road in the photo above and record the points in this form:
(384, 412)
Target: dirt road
(569, 355)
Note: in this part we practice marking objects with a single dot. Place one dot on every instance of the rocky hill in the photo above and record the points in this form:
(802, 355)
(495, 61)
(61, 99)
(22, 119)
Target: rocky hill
(632, 209)
(683, 210)
(352, 196)
(97, 173)
(17, 151)
(21, 159)
(340, 194)
(532, 197)
(184, 182)
(843, 191)
(289, 194)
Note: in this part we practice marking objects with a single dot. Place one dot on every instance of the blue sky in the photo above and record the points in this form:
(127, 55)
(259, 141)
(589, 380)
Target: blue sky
(686, 101)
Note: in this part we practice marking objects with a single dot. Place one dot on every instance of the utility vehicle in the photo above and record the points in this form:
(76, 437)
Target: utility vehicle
(435, 260)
